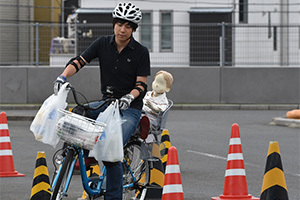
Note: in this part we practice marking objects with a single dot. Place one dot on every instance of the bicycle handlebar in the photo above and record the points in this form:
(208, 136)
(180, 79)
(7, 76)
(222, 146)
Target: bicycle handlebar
(86, 105)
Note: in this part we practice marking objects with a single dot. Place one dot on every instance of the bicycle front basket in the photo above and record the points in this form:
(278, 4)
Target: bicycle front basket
(78, 130)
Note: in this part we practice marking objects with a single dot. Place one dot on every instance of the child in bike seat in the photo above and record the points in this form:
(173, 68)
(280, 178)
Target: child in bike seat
(155, 102)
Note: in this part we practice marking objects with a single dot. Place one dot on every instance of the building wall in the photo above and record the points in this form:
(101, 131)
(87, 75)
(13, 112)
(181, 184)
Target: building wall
(16, 12)
(276, 13)
(209, 85)
(47, 12)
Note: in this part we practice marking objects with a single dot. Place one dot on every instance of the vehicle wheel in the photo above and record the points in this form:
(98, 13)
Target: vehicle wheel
(61, 181)
(133, 157)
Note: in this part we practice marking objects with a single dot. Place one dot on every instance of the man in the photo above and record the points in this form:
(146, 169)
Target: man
(124, 66)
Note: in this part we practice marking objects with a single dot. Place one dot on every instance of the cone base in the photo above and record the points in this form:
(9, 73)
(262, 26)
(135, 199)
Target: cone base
(11, 174)
(235, 197)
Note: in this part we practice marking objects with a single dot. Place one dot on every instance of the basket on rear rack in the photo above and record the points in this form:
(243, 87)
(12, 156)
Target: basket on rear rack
(78, 130)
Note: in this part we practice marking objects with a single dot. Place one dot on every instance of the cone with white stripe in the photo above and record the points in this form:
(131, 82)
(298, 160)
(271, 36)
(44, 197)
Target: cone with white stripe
(7, 168)
(172, 184)
(235, 184)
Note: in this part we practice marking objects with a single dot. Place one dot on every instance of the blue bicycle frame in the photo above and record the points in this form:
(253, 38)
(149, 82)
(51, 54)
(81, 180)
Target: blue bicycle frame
(86, 180)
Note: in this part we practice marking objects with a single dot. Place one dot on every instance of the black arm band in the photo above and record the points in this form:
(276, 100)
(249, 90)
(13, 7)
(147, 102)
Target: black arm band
(141, 91)
(80, 61)
(140, 83)
(75, 65)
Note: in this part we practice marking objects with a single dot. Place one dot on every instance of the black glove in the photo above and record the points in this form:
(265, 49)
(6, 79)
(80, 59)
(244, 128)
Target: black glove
(125, 101)
(58, 83)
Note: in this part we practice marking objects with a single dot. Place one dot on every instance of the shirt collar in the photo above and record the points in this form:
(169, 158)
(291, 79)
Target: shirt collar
(130, 44)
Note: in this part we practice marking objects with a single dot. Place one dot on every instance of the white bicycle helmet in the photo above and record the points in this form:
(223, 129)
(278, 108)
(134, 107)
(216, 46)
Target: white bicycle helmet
(127, 11)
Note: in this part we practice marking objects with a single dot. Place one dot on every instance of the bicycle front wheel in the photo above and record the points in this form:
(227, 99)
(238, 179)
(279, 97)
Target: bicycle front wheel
(134, 170)
(59, 188)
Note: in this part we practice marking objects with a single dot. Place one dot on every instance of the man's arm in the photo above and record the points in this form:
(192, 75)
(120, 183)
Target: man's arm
(139, 89)
(70, 70)
(135, 92)
(73, 66)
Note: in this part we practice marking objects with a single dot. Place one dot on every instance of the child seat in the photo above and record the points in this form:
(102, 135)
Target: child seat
(162, 120)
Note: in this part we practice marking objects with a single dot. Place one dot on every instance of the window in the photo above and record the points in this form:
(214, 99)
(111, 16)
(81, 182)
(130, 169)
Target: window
(146, 30)
(205, 33)
(166, 31)
(243, 11)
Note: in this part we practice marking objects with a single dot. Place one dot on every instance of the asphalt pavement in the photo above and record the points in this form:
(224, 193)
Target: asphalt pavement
(28, 111)
(201, 135)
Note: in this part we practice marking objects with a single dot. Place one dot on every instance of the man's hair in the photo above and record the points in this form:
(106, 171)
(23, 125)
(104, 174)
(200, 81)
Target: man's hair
(122, 21)
(167, 76)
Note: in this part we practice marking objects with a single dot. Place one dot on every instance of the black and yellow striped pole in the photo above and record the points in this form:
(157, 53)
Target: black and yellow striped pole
(165, 145)
(274, 186)
(155, 183)
(157, 172)
(41, 183)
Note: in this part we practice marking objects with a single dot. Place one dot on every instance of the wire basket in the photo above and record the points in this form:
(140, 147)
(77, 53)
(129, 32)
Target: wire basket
(78, 130)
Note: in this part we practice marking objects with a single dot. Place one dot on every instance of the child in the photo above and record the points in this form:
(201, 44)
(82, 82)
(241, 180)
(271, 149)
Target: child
(156, 101)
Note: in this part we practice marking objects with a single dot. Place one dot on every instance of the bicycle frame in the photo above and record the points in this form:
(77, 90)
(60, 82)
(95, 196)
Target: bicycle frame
(86, 180)
(93, 190)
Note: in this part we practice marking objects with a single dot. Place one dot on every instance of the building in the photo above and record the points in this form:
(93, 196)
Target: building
(178, 33)
(13, 15)
(208, 33)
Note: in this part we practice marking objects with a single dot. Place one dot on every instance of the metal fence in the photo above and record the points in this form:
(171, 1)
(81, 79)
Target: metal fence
(195, 44)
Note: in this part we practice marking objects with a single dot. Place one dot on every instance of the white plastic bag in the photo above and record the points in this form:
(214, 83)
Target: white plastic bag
(109, 147)
(44, 122)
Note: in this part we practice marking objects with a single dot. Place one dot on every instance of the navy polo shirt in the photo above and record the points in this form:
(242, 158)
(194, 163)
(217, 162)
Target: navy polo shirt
(119, 70)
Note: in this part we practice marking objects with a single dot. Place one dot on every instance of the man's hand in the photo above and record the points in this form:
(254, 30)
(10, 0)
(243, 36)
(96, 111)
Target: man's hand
(125, 101)
(58, 83)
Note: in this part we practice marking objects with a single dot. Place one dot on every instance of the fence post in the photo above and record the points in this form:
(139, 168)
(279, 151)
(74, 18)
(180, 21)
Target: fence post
(222, 46)
(76, 36)
(37, 44)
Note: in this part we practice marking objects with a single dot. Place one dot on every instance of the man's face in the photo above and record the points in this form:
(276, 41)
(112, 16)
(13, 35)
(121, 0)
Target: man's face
(122, 31)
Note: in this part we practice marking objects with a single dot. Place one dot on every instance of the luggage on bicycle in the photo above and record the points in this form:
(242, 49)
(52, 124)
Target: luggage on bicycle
(78, 130)
(109, 147)
(44, 122)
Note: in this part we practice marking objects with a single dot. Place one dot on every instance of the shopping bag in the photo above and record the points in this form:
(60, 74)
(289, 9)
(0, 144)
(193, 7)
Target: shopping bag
(44, 122)
(109, 146)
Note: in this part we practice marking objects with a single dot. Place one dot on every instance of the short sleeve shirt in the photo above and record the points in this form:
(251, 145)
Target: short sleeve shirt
(119, 70)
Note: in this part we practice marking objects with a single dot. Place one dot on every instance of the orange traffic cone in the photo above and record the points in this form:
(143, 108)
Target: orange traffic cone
(172, 184)
(235, 184)
(7, 168)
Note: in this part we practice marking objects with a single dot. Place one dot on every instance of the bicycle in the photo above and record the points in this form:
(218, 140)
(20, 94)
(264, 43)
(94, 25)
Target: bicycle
(82, 133)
